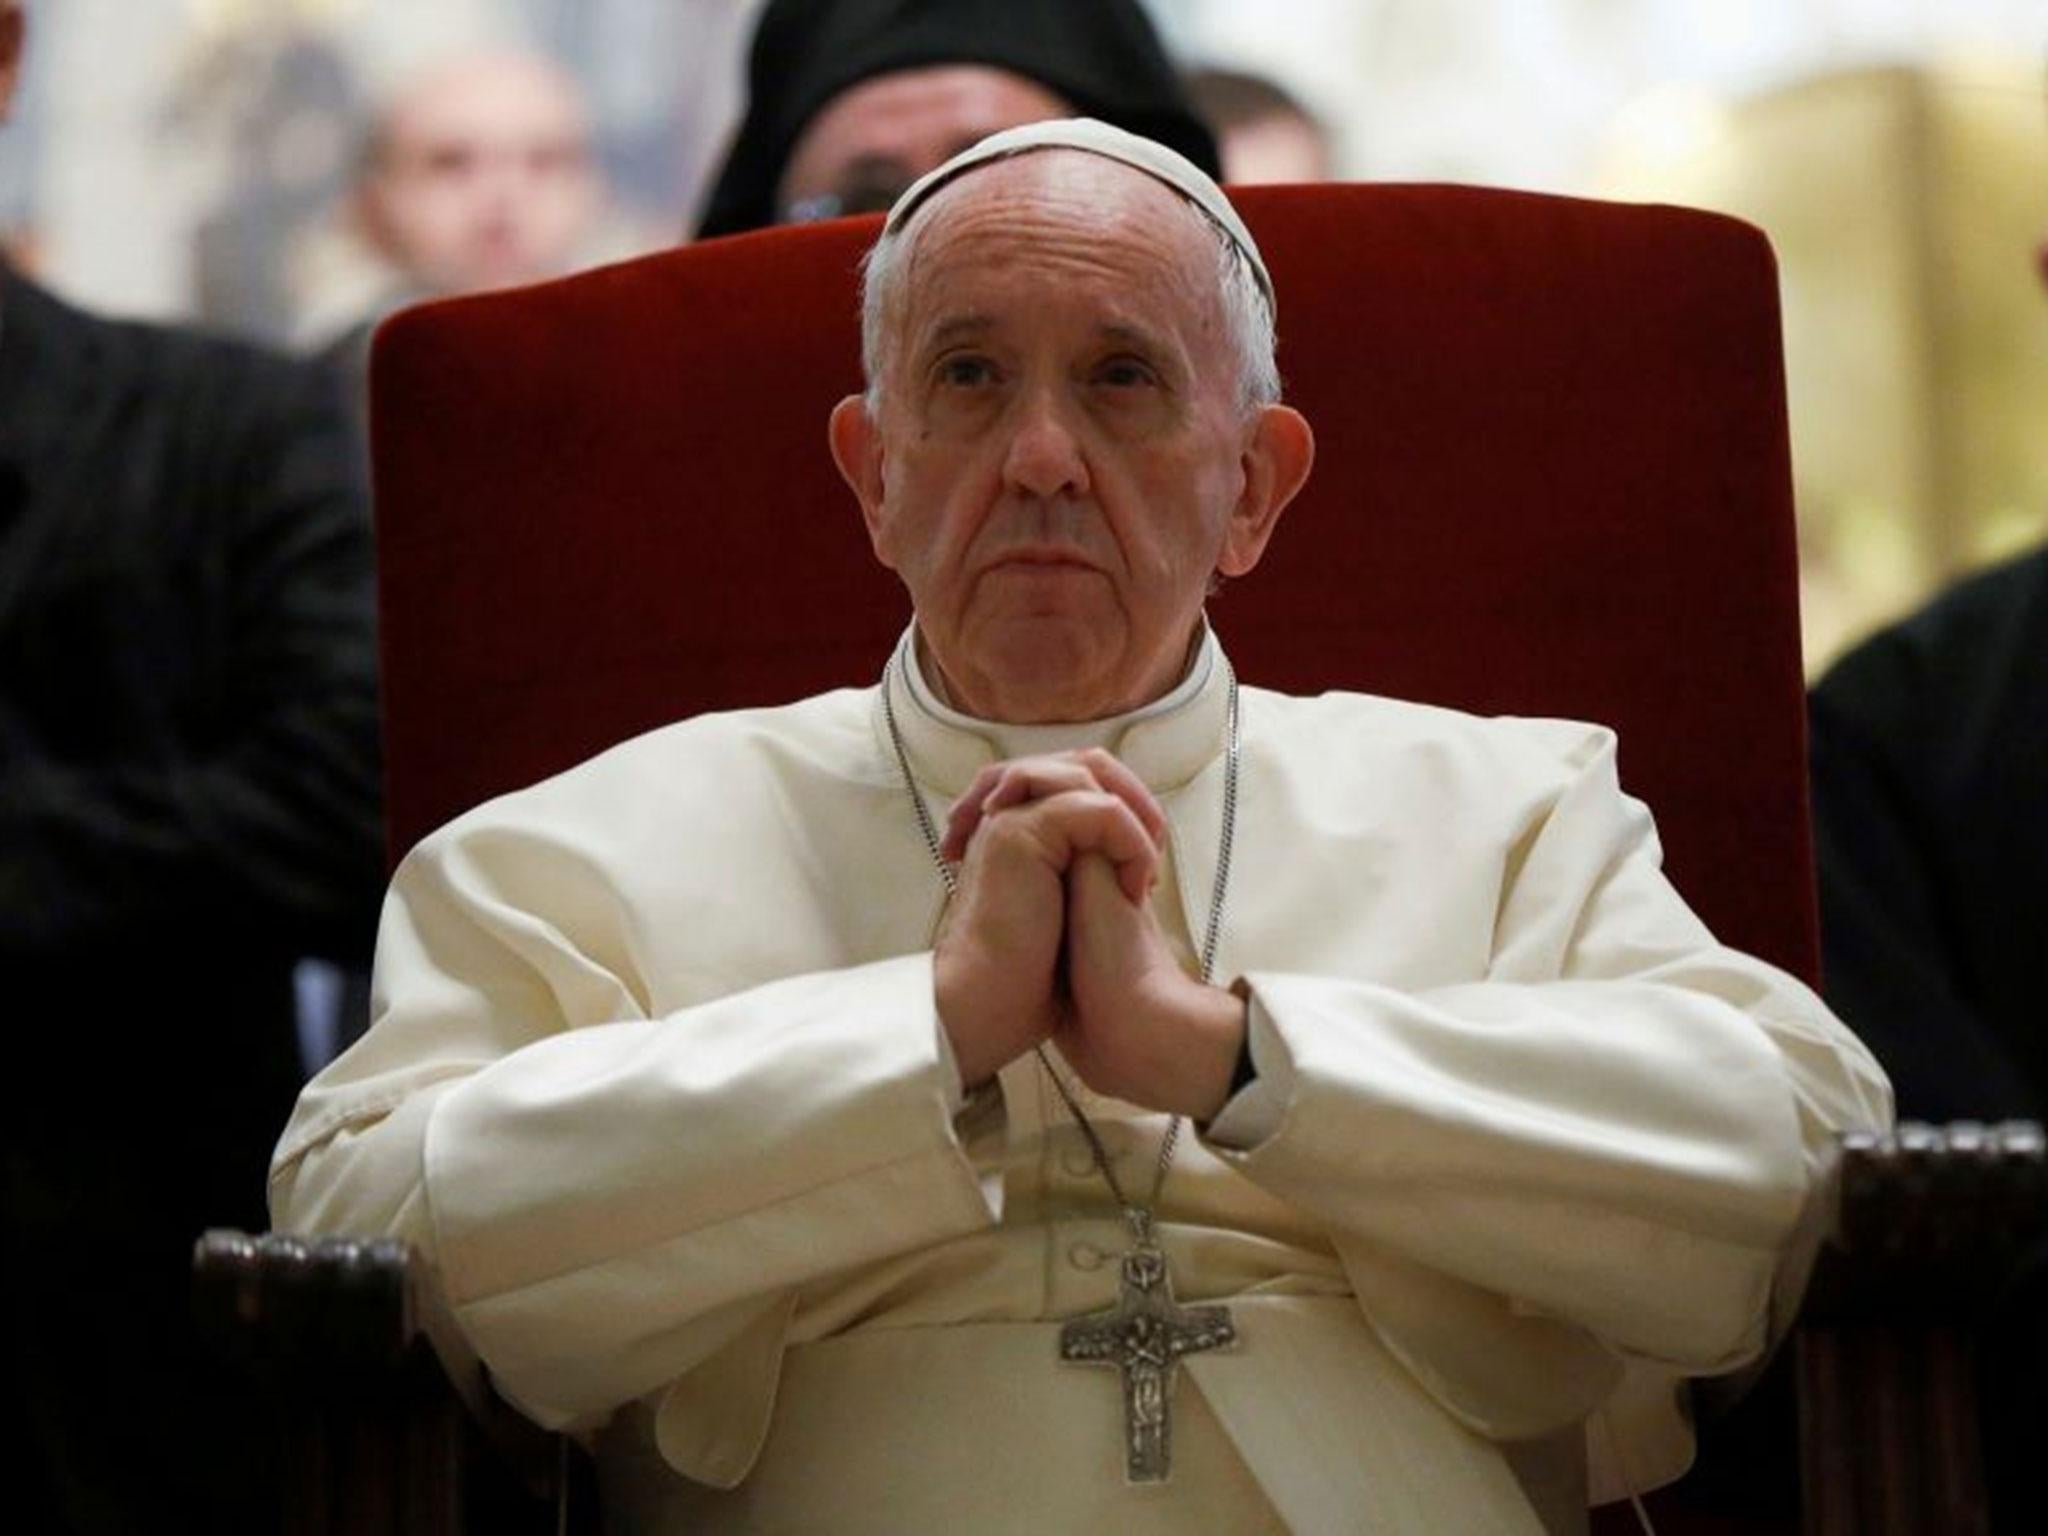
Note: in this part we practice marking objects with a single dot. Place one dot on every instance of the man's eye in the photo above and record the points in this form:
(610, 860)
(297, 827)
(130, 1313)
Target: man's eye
(966, 372)
(1125, 373)
(451, 160)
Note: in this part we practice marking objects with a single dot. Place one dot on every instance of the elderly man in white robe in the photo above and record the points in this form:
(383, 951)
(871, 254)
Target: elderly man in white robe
(1057, 1089)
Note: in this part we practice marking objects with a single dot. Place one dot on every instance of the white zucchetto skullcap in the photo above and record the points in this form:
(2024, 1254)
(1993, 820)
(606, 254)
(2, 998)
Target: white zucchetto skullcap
(1095, 138)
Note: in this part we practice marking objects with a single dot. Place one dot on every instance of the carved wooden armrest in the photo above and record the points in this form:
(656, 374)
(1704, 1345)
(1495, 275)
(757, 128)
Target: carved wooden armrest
(318, 1310)
(1930, 1222)
(375, 1440)
(1928, 1218)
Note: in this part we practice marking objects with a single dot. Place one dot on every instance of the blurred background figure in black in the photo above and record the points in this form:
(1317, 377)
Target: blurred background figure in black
(1262, 132)
(1930, 798)
(188, 802)
(849, 101)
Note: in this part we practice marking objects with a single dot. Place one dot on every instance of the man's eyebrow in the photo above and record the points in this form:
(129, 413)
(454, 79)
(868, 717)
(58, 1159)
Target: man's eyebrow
(957, 328)
(1135, 336)
(1159, 349)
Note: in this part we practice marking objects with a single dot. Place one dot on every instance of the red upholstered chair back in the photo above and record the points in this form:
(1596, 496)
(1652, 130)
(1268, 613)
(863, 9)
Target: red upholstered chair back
(1552, 479)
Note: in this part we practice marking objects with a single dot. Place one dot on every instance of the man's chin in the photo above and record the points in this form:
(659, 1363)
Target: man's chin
(1049, 638)
(1047, 669)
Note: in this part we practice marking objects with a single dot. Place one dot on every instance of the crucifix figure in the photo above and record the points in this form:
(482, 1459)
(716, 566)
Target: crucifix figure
(1143, 1336)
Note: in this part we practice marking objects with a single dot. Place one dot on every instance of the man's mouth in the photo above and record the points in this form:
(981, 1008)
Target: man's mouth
(1045, 558)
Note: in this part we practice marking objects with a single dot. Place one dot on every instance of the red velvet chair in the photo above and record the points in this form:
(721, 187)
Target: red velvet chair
(1552, 479)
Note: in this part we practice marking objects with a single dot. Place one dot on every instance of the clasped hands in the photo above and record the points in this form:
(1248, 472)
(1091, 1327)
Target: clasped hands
(1050, 937)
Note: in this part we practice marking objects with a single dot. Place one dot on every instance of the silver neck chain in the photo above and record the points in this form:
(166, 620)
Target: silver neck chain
(1138, 1216)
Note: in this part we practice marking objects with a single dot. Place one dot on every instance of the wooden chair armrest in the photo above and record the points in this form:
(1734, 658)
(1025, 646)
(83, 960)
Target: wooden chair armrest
(329, 1309)
(1928, 1218)
(1930, 1222)
(374, 1438)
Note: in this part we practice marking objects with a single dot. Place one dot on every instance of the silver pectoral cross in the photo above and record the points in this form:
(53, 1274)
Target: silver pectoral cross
(1143, 1336)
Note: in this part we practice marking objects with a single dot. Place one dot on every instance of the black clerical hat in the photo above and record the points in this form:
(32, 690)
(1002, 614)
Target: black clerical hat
(1101, 55)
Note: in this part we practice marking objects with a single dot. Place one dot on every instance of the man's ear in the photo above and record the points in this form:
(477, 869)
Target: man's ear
(857, 450)
(1277, 459)
(12, 25)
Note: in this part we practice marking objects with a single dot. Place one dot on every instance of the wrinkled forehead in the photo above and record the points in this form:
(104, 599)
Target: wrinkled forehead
(1098, 142)
(1050, 187)
(1063, 210)
(1049, 172)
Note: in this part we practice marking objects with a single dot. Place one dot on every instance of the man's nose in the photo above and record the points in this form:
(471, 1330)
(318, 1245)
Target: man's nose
(1044, 457)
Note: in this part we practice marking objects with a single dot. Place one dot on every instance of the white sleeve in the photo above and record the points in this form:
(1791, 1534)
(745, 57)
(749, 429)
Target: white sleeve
(1618, 1128)
(1254, 1112)
(607, 1197)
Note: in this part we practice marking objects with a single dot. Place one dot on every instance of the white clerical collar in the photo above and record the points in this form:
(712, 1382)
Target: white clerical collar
(1166, 741)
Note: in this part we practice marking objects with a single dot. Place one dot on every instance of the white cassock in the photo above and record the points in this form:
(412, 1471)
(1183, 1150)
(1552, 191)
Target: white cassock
(656, 1083)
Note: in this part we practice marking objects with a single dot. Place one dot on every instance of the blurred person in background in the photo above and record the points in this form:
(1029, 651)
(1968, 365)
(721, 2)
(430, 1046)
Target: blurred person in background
(188, 802)
(1263, 134)
(1930, 785)
(478, 172)
(850, 101)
